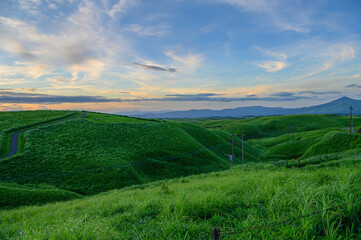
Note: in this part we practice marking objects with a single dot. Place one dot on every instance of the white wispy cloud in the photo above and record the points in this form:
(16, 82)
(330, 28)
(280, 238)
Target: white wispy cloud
(122, 6)
(30, 6)
(336, 54)
(278, 55)
(273, 66)
(155, 30)
(278, 14)
(186, 63)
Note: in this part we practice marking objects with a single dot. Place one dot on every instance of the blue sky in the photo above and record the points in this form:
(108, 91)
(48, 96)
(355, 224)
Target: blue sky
(126, 55)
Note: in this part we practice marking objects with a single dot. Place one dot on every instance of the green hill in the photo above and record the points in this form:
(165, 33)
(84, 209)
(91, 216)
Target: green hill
(15, 195)
(291, 137)
(274, 126)
(101, 152)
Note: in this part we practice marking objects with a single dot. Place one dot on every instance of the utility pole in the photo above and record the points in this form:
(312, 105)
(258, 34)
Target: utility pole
(232, 148)
(351, 123)
(242, 135)
(288, 133)
(232, 156)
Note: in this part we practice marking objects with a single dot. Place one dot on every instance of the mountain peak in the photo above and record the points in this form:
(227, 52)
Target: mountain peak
(344, 99)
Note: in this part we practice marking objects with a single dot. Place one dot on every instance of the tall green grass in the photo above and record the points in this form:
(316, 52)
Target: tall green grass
(188, 208)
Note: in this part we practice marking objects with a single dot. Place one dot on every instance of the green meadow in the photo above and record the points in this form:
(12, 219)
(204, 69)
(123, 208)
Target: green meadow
(104, 176)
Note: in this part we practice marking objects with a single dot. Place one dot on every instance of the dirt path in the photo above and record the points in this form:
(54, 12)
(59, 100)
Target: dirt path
(14, 137)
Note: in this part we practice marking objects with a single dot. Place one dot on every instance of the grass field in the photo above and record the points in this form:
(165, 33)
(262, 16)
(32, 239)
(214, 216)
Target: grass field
(174, 182)
(188, 208)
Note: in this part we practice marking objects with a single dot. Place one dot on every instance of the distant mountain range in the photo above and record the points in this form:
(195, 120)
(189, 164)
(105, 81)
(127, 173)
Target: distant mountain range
(339, 106)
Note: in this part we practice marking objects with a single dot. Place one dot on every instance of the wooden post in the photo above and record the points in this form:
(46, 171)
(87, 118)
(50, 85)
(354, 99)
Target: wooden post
(216, 235)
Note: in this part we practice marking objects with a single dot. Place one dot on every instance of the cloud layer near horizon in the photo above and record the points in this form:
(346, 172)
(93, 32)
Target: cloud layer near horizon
(7, 96)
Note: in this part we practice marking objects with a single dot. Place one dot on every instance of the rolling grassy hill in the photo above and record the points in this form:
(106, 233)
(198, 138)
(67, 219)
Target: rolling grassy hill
(274, 126)
(101, 152)
(310, 135)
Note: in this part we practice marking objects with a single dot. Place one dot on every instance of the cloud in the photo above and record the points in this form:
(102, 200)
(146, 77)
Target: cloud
(114, 92)
(280, 56)
(58, 79)
(354, 85)
(37, 98)
(194, 95)
(283, 94)
(52, 6)
(319, 93)
(279, 14)
(197, 98)
(122, 6)
(337, 53)
(157, 30)
(273, 66)
(34, 98)
(30, 6)
(79, 44)
(20, 89)
(154, 68)
(188, 63)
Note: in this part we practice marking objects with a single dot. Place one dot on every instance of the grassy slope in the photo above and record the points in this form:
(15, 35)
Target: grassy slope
(81, 156)
(110, 118)
(313, 134)
(13, 121)
(14, 195)
(274, 126)
(190, 207)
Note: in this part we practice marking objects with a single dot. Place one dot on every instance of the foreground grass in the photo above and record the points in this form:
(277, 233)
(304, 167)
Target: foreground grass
(188, 208)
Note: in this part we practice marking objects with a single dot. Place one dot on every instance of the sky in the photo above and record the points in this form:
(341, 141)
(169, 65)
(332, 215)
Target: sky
(142, 55)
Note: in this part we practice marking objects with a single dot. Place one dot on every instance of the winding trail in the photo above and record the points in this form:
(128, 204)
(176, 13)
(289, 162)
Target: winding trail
(15, 136)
